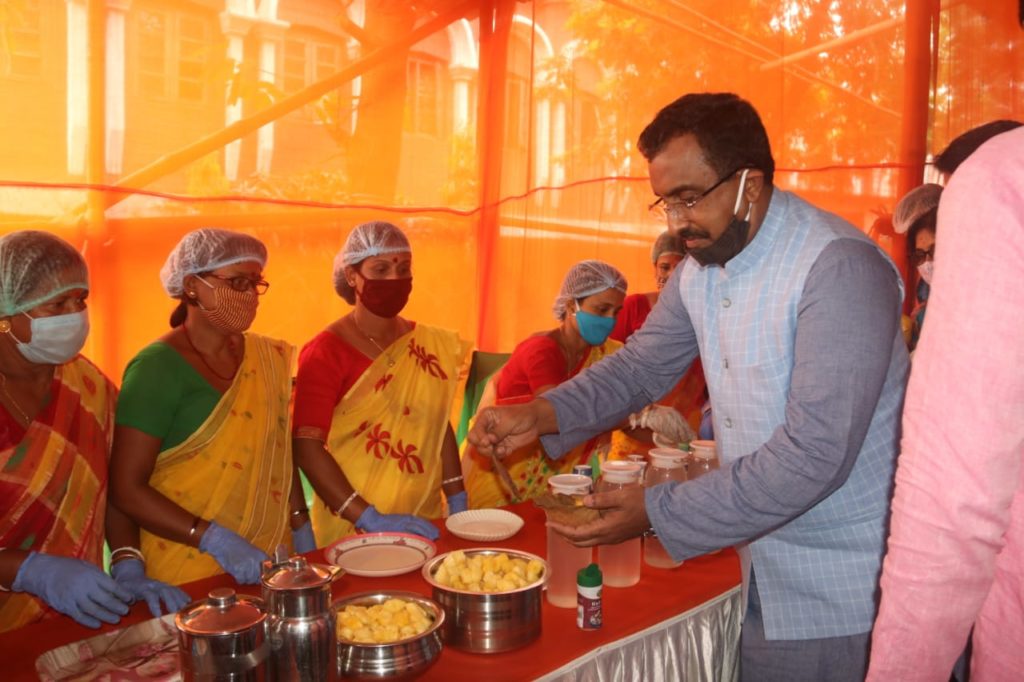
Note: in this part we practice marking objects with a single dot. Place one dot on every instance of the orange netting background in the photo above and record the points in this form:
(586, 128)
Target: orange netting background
(499, 134)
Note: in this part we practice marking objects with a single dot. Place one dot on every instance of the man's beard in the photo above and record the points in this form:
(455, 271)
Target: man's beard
(723, 249)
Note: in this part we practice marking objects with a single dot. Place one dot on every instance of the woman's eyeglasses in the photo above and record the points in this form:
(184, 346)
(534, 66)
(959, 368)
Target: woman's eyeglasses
(918, 256)
(243, 283)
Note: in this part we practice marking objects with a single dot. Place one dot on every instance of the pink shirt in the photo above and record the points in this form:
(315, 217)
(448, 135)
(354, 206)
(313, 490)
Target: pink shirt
(956, 546)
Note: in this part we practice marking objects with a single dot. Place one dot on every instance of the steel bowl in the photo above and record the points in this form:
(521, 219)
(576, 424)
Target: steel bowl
(405, 659)
(488, 622)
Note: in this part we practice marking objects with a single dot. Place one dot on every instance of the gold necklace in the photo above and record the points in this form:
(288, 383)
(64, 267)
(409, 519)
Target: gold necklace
(391, 362)
(10, 398)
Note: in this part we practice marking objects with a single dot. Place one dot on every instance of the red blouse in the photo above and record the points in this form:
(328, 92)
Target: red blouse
(536, 362)
(635, 310)
(328, 367)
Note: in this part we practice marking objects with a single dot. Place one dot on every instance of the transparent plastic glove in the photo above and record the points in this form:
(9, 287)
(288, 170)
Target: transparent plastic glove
(131, 575)
(663, 421)
(302, 538)
(74, 587)
(373, 521)
(234, 554)
(459, 502)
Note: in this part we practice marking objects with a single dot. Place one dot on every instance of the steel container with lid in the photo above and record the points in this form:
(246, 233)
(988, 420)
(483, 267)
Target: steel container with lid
(300, 625)
(223, 638)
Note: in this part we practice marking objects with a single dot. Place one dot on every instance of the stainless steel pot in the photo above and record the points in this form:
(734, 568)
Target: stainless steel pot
(406, 659)
(223, 638)
(488, 622)
(300, 626)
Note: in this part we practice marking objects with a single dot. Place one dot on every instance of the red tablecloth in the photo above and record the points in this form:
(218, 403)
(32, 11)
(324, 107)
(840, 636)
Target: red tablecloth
(660, 594)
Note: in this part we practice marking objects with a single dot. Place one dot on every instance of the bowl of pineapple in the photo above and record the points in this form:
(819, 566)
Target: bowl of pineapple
(388, 635)
(491, 597)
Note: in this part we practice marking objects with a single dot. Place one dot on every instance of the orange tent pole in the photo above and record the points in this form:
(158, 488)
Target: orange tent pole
(98, 241)
(917, 66)
(495, 27)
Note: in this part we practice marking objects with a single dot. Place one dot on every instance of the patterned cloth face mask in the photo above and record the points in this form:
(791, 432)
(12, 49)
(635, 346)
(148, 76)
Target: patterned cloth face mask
(233, 311)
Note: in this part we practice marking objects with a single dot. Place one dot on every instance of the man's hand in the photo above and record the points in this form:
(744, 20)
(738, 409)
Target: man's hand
(503, 430)
(623, 517)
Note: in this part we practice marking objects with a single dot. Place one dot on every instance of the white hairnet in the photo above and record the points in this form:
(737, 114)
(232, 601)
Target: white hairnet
(587, 278)
(207, 249)
(915, 204)
(375, 238)
(36, 266)
(668, 241)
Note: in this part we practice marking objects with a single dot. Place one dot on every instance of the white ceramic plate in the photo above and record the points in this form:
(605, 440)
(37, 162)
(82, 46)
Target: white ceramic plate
(380, 554)
(484, 525)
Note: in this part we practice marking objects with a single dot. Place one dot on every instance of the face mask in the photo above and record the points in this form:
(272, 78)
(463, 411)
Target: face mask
(233, 311)
(594, 328)
(385, 297)
(926, 269)
(732, 241)
(55, 340)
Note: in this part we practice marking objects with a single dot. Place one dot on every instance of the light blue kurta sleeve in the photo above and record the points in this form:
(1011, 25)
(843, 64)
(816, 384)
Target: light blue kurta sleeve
(647, 368)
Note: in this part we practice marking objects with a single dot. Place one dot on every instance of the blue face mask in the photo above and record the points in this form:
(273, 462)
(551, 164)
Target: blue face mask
(57, 339)
(594, 328)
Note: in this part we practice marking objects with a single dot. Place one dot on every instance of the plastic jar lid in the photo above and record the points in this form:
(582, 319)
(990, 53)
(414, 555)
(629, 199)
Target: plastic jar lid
(704, 449)
(667, 458)
(570, 484)
(621, 472)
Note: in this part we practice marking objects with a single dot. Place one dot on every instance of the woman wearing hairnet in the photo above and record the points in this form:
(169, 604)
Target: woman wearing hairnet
(690, 395)
(201, 458)
(372, 401)
(56, 424)
(590, 298)
(916, 214)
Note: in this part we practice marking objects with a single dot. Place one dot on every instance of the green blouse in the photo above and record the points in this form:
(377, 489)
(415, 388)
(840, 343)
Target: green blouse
(164, 396)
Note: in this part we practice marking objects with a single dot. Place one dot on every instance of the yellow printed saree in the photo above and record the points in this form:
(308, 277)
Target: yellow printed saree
(236, 469)
(387, 430)
(530, 467)
(53, 481)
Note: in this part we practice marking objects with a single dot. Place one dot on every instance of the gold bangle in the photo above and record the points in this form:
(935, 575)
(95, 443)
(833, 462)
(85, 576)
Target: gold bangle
(453, 479)
(346, 503)
(195, 526)
(300, 512)
(130, 551)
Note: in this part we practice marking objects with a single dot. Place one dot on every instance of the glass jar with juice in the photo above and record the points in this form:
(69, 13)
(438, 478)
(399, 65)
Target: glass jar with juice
(619, 563)
(564, 558)
(666, 464)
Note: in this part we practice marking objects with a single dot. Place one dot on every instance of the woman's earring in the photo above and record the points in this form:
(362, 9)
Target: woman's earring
(191, 294)
(5, 326)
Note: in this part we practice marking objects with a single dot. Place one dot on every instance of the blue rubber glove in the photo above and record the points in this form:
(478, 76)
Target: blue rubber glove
(130, 574)
(373, 521)
(459, 502)
(234, 554)
(302, 538)
(74, 587)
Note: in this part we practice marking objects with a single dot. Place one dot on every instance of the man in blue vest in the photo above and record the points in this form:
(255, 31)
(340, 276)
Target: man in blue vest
(795, 314)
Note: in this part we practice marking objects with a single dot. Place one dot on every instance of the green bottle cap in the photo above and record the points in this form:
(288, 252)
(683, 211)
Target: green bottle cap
(589, 576)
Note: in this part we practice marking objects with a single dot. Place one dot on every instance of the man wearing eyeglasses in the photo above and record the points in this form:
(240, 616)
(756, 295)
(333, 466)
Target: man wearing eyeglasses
(795, 314)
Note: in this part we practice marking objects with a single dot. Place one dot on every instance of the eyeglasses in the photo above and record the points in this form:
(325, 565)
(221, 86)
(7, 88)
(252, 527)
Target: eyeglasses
(663, 210)
(918, 256)
(243, 283)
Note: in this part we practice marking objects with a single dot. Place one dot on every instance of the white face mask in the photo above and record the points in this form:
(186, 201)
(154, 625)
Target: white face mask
(57, 339)
(926, 269)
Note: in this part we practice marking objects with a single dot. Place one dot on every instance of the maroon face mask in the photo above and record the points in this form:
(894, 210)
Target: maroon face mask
(385, 297)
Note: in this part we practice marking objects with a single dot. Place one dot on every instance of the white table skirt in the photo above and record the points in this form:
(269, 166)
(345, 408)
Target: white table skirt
(700, 645)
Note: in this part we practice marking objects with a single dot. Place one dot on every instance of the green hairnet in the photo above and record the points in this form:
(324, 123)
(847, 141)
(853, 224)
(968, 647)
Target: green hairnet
(36, 266)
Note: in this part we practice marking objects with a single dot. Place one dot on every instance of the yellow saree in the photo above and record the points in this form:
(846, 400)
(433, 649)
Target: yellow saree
(236, 469)
(387, 430)
(53, 483)
(530, 467)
